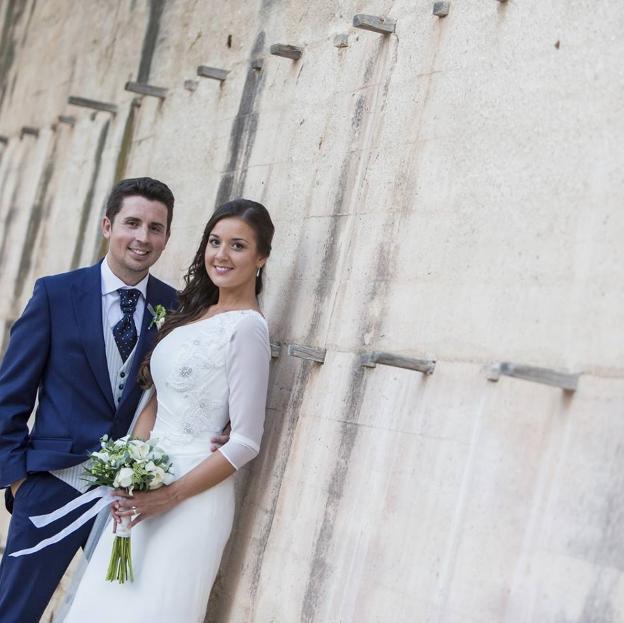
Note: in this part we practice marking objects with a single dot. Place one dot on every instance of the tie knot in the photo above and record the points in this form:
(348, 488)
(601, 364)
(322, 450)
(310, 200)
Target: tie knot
(128, 298)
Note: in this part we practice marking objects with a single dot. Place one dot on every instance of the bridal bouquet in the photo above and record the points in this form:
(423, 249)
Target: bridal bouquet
(130, 464)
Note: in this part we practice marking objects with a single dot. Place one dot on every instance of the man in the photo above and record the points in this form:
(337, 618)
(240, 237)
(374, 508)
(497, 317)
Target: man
(77, 348)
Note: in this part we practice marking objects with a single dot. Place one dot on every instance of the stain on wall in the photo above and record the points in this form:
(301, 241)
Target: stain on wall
(87, 206)
(243, 132)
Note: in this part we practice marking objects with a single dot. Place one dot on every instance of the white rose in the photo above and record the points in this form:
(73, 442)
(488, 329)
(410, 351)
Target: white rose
(150, 466)
(158, 475)
(124, 477)
(102, 456)
(138, 450)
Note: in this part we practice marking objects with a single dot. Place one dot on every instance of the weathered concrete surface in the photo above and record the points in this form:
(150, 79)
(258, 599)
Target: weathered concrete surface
(451, 191)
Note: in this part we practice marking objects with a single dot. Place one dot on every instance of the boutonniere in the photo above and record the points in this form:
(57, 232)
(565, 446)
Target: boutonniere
(159, 315)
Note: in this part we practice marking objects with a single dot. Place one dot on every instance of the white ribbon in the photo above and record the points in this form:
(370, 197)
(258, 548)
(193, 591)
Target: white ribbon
(106, 495)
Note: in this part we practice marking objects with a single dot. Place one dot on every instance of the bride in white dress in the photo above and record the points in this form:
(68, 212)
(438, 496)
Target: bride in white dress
(210, 365)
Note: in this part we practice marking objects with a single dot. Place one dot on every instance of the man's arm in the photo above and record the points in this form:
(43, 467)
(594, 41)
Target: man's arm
(20, 376)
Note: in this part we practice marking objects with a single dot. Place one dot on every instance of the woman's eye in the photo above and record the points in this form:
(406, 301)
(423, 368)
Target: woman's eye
(238, 246)
(214, 242)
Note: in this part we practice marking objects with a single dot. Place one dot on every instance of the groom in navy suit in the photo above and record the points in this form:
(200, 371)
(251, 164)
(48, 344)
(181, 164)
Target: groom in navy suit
(77, 349)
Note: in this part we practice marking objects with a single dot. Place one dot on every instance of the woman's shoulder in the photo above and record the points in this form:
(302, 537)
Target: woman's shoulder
(250, 324)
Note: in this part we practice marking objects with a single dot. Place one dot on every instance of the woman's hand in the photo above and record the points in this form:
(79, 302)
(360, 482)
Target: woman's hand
(143, 504)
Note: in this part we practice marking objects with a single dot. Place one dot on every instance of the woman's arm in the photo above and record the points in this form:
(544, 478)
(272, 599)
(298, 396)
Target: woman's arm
(145, 422)
(210, 472)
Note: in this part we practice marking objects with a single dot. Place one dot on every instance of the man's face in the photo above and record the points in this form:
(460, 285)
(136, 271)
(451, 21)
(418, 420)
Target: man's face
(136, 237)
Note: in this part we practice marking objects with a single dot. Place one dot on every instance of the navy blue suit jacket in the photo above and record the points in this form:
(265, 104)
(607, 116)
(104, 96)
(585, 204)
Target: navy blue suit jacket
(56, 353)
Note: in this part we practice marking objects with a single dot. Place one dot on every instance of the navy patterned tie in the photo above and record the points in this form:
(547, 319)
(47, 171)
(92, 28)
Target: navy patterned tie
(124, 331)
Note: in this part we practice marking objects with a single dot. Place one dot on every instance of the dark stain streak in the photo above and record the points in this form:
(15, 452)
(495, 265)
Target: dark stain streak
(322, 555)
(121, 165)
(28, 21)
(7, 333)
(8, 221)
(86, 206)
(156, 8)
(34, 223)
(320, 568)
(243, 132)
(12, 17)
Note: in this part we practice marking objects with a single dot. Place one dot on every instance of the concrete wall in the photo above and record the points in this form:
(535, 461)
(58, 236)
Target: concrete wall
(450, 191)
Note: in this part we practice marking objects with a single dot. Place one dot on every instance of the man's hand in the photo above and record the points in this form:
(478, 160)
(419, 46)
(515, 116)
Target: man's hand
(220, 440)
(15, 486)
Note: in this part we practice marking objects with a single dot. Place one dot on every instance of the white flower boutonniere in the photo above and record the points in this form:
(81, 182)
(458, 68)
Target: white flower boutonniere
(159, 315)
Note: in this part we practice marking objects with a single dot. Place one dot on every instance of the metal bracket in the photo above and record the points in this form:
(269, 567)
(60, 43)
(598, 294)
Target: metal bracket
(307, 352)
(276, 350)
(381, 25)
(287, 51)
(426, 366)
(147, 89)
(94, 104)
(546, 376)
(212, 72)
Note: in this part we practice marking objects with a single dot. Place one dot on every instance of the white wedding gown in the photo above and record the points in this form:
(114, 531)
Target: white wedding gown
(205, 374)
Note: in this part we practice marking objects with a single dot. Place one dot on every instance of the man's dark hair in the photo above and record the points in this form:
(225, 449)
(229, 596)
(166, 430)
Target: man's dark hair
(147, 187)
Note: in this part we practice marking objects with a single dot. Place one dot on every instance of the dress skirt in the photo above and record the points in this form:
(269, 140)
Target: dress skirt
(175, 557)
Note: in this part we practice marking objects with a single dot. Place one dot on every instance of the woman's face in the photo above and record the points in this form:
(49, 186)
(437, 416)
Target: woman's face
(232, 257)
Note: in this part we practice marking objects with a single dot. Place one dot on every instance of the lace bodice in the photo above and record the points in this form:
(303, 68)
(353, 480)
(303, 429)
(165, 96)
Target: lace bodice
(208, 372)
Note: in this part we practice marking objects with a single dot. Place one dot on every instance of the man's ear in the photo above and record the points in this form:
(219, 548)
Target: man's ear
(106, 227)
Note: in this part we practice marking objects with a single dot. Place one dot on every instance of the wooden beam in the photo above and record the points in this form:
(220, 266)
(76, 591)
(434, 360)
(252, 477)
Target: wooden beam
(287, 51)
(94, 104)
(146, 89)
(381, 25)
(426, 366)
(441, 9)
(545, 376)
(29, 131)
(307, 352)
(67, 119)
(212, 72)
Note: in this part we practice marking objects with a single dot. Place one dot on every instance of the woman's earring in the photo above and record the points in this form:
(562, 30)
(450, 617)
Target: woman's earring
(258, 273)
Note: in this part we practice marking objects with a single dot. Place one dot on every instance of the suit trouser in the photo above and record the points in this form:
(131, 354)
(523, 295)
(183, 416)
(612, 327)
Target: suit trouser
(28, 582)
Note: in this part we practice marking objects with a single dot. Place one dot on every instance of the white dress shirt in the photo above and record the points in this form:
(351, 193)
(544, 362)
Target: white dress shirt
(111, 310)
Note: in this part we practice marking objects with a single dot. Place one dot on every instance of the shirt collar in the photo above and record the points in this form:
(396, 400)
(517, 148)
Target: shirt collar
(111, 283)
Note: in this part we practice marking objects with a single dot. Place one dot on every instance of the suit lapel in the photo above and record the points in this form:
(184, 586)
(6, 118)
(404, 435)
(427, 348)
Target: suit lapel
(87, 300)
(146, 339)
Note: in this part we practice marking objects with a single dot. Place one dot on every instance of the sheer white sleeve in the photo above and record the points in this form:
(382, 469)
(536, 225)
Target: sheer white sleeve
(248, 378)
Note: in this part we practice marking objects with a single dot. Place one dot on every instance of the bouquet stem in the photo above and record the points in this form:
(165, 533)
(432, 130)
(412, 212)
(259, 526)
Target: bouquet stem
(120, 565)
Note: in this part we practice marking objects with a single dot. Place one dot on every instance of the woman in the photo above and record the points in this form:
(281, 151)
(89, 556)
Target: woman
(211, 364)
